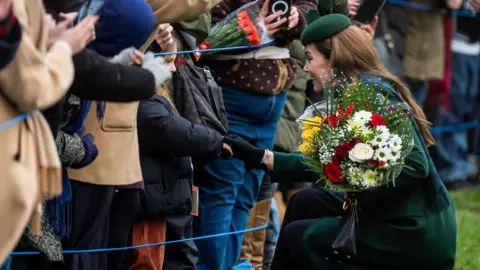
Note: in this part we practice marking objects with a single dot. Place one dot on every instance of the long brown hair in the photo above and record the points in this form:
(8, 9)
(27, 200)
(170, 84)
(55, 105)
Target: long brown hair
(353, 53)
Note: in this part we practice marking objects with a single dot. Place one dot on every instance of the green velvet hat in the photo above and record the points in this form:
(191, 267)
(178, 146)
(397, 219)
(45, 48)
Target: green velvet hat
(326, 21)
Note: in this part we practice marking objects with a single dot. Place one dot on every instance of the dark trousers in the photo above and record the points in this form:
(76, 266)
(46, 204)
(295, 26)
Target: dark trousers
(183, 255)
(299, 216)
(90, 223)
(123, 212)
(33, 262)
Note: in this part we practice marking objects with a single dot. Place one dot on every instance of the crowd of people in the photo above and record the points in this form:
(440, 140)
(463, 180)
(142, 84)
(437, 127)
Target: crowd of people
(111, 138)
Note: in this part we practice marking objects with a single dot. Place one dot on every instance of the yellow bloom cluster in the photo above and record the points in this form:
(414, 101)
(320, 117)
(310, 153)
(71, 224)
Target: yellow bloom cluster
(310, 123)
(310, 128)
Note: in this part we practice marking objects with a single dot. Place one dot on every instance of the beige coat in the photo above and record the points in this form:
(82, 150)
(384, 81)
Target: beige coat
(29, 164)
(118, 161)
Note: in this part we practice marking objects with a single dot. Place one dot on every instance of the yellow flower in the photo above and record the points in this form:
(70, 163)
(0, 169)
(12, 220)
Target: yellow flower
(310, 123)
(317, 119)
(305, 148)
(308, 135)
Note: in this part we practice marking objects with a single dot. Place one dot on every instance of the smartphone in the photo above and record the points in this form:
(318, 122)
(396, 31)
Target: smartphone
(91, 7)
(368, 10)
(280, 5)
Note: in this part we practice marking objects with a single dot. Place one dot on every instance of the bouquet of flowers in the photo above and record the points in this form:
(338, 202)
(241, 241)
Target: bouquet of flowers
(359, 142)
(243, 27)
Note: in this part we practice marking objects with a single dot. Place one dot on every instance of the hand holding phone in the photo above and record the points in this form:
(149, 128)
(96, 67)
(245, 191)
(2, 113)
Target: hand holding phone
(279, 20)
(367, 11)
(282, 7)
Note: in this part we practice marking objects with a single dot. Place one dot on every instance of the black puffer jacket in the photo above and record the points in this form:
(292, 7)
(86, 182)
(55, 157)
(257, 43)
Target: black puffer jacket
(167, 142)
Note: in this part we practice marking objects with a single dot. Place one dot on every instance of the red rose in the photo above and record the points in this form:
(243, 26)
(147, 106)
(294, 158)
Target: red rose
(354, 141)
(342, 150)
(373, 163)
(334, 173)
(377, 120)
(332, 119)
(376, 164)
(336, 160)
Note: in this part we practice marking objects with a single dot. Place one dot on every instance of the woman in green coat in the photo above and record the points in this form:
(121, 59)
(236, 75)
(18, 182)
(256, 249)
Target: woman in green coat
(409, 226)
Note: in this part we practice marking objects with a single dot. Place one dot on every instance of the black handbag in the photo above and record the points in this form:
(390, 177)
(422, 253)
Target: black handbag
(198, 98)
(386, 48)
(346, 240)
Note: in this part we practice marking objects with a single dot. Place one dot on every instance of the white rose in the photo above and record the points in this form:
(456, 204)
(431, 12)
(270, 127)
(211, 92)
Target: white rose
(361, 152)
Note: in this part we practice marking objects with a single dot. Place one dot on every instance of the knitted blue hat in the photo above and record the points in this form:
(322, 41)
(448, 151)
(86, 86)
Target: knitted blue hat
(123, 24)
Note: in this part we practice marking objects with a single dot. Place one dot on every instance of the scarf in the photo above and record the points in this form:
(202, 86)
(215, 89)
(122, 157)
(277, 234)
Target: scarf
(60, 208)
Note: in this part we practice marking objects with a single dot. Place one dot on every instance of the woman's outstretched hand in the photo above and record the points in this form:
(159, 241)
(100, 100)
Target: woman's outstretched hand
(251, 155)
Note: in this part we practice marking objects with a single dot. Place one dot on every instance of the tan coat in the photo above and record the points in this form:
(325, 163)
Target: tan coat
(35, 79)
(118, 161)
(424, 44)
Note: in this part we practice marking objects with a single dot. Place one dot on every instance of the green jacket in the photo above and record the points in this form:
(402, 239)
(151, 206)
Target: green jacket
(396, 230)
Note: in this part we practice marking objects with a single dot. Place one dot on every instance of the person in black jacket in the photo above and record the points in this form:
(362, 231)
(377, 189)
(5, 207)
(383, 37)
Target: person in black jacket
(167, 143)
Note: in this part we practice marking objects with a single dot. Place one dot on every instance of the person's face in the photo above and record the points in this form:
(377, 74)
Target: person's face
(171, 65)
(317, 66)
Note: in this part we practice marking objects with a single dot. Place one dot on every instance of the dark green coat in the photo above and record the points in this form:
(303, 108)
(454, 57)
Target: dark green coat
(396, 229)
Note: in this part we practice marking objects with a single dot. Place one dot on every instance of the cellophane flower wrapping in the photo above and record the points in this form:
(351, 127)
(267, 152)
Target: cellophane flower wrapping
(243, 27)
(357, 140)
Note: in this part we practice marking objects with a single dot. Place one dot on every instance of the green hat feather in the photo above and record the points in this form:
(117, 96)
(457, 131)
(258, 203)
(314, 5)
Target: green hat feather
(326, 21)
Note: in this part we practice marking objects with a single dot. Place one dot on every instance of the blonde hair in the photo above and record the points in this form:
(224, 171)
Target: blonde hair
(353, 53)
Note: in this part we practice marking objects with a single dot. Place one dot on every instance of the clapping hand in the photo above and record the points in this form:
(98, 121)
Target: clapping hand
(77, 37)
(5, 8)
(475, 5)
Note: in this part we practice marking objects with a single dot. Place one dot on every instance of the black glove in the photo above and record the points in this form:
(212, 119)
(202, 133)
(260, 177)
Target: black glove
(251, 155)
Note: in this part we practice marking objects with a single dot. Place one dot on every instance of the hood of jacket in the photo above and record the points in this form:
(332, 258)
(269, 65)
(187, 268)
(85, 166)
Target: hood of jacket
(122, 24)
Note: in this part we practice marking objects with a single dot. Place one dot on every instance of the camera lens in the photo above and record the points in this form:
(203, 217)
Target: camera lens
(280, 6)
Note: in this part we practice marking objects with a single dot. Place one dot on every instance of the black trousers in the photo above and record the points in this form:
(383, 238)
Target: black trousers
(34, 262)
(299, 216)
(183, 255)
(123, 212)
(90, 223)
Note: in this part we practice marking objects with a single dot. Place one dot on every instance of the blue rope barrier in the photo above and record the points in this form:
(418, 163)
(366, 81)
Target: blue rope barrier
(462, 13)
(216, 49)
(146, 245)
(453, 128)
(13, 121)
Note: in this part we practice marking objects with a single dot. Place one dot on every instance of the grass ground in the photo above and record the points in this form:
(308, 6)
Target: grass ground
(467, 203)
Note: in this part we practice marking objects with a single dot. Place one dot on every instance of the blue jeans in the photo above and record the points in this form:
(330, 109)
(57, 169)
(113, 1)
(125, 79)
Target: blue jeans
(227, 190)
(451, 151)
